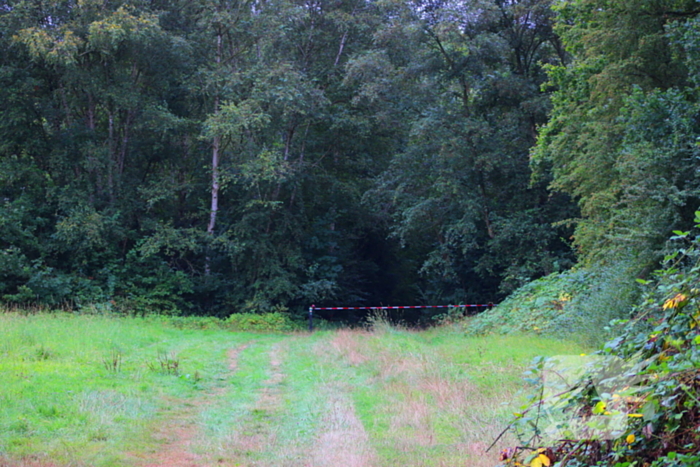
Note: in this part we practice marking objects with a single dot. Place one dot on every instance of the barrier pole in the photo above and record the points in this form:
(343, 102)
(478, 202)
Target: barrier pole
(311, 318)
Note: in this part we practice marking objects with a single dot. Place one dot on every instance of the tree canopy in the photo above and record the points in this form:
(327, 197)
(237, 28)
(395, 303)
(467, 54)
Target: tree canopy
(214, 156)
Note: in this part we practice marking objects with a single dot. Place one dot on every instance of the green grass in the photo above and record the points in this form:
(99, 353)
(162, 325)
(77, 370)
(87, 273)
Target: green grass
(64, 399)
(435, 398)
(102, 391)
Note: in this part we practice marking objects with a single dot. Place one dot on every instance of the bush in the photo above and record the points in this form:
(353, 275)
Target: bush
(636, 404)
(241, 322)
(539, 306)
(609, 293)
(268, 322)
(580, 302)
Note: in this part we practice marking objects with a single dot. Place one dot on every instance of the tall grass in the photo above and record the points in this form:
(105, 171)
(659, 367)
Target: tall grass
(102, 391)
(435, 398)
(60, 376)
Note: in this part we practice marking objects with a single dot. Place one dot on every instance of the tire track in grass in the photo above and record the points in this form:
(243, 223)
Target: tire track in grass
(314, 423)
(418, 408)
(343, 440)
(257, 434)
(180, 431)
(298, 416)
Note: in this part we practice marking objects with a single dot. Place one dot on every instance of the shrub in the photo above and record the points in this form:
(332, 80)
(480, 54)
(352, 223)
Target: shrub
(536, 306)
(579, 302)
(648, 377)
(268, 322)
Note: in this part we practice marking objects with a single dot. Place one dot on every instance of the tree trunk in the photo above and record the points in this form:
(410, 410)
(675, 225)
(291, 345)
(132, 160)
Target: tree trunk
(215, 154)
(216, 145)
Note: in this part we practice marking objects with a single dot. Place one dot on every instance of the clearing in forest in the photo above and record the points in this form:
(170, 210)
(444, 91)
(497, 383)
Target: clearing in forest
(101, 391)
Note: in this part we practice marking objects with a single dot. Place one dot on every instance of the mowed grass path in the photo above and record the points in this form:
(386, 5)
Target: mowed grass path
(100, 391)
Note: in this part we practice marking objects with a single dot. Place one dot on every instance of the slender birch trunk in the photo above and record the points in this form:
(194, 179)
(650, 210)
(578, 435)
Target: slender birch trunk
(215, 155)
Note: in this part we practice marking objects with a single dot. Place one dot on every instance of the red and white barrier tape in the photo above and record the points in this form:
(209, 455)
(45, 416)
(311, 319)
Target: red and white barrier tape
(313, 307)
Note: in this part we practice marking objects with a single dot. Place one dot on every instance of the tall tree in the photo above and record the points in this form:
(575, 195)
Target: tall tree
(458, 193)
(216, 155)
(630, 196)
(99, 109)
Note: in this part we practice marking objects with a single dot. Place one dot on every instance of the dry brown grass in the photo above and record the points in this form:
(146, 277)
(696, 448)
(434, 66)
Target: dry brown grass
(31, 461)
(343, 440)
(346, 343)
(176, 437)
(421, 397)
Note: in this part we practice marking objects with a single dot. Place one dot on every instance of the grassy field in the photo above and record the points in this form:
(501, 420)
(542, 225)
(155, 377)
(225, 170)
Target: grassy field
(101, 391)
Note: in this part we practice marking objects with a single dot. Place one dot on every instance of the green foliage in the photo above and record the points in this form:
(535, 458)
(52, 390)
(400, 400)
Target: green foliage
(105, 150)
(150, 285)
(621, 137)
(271, 157)
(658, 348)
(267, 322)
(457, 193)
(239, 322)
(542, 306)
(610, 292)
(579, 303)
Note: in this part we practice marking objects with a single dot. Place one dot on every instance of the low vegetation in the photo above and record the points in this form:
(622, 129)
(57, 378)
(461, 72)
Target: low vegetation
(636, 402)
(96, 390)
(578, 304)
(186, 178)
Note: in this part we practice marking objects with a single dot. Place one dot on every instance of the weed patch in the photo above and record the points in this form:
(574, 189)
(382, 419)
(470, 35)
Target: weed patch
(166, 363)
(113, 360)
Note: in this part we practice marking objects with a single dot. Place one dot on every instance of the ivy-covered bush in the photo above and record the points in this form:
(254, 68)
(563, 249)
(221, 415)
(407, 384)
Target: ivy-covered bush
(634, 403)
(533, 307)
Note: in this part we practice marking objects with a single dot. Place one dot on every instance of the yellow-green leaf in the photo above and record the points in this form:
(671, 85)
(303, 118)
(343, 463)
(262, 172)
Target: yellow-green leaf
(599, 408)
(541, 461)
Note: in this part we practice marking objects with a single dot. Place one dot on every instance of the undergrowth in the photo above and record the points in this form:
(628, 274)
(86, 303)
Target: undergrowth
(239, 322)
(580, 302)
(636, 402)
(535, 307)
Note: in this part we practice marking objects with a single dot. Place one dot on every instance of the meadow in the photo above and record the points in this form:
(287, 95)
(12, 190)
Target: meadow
(95, 390)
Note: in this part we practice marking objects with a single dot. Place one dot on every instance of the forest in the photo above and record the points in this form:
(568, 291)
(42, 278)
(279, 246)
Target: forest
(208, 157)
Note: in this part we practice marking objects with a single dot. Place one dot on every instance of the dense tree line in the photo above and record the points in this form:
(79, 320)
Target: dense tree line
(623, 134)
(212, 156)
